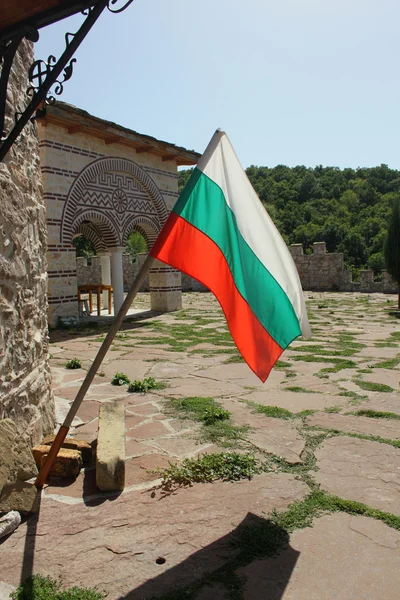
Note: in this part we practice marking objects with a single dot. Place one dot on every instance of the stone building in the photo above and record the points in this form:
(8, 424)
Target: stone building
(104, 181)
(25, 394)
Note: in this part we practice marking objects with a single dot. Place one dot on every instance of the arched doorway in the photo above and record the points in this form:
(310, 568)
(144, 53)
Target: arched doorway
(107, 200)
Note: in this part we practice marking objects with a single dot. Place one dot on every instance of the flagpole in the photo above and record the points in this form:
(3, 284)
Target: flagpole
(62, 432)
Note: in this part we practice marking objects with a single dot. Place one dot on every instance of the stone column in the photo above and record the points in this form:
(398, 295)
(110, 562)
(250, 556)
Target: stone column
(165, 288)
(105, 273)
(117, 276)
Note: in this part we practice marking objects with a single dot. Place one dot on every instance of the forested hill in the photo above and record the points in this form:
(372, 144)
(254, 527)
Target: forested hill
(348, 209)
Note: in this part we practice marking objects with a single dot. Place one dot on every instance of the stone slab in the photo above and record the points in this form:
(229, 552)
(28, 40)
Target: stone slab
(241, 374)
(341, 557)
(17, 462)
(196, 386)
(277, 436)
(114, 545)
(385, 428)
(110, 457)
(20, 496)
(295, 401)
(368, 472)
(382, 402)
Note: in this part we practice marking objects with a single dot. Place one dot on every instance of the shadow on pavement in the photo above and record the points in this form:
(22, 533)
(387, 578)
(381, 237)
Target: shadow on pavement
(99, 325)
(222, 566)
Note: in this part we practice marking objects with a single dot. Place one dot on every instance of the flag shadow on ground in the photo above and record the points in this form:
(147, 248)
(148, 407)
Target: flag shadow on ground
(256, 556)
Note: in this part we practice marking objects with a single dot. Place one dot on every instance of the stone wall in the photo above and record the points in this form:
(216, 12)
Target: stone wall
(318, 271)
(25, 394)
(323, 271)
(89, 271)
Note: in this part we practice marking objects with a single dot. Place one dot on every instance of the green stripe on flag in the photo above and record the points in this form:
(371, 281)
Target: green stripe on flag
(202, 203)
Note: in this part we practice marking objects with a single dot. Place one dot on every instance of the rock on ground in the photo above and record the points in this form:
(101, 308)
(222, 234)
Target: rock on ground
(17, 462)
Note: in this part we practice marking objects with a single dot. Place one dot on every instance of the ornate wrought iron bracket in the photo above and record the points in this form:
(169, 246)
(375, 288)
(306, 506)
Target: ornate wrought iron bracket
(43, 75)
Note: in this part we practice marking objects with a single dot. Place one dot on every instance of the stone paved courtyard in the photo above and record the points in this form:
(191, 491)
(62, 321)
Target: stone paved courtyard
(325, 427)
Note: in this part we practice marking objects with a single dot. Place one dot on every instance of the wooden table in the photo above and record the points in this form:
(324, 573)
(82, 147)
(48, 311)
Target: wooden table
(97, 289)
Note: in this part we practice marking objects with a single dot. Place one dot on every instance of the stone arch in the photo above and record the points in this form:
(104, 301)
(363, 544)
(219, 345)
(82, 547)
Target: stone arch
(101, 225)
(92, 233)
(149, 228)
(109, 200)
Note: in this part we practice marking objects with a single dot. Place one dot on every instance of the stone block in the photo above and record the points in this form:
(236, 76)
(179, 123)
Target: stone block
(83, 447)
(67, 464)
(20, 496)
(17, 462)
(110, 458)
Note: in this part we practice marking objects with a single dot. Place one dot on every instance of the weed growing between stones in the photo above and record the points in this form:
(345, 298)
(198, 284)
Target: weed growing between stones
(217, 427)
(120, 379)
(301, 514)
(391, 363)
(282, 364)
(224, 434)
(376, 414)
(227, 466)
(39, 587)
(360, 436)
(235, 358)
(142, 386)
(373, 387)
(74, 363)
(195, 407)
(299, 389)
(271, 411)
(356, 398)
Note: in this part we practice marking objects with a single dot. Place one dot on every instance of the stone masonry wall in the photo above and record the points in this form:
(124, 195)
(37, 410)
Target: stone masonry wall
(318, 271)
(89, 271)
(25, 394)
(322, 271)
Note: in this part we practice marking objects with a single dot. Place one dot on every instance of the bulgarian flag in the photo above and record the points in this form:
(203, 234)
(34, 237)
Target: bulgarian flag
(219, 233)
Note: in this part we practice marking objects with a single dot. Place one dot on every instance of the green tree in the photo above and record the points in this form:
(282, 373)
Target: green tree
(183, 177)
(391, 248)
(84, 247)
(135, 245)
(376, 262)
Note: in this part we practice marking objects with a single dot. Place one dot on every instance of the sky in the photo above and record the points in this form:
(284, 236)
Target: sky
(291, 82)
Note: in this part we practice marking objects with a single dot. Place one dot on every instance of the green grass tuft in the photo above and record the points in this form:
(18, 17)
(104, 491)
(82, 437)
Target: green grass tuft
(373, 387)
(376, 414)
(228, 466)
(39, 587)
(301, 514)
(271, 411)
(74, 363)
(120, 379)
(391, 363)
(299, 389)
(142, 386)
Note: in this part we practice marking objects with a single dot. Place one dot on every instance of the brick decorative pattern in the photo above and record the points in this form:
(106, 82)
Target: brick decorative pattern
(116, 195)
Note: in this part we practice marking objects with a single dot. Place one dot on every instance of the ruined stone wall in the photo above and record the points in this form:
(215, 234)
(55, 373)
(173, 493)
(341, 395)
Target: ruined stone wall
(324, 272)
(25, 394)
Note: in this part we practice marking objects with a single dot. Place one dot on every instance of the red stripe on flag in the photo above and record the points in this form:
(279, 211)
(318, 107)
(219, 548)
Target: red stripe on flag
(186, 248)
